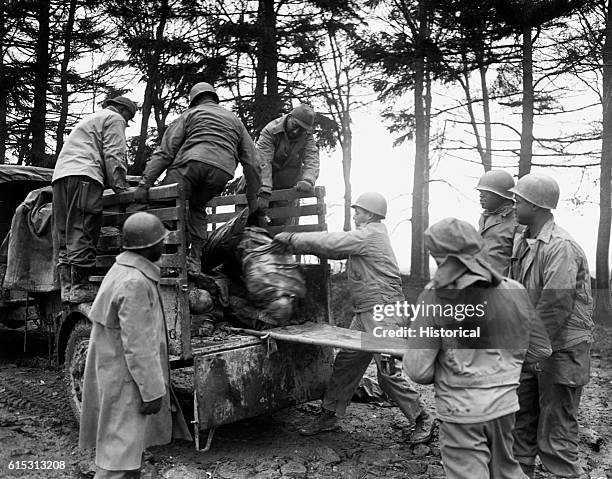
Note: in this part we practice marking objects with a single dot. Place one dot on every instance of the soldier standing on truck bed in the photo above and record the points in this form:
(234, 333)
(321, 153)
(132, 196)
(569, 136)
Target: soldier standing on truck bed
(554, 269)
(497, 224)
(127, 404)
(374, 279)
(475, 380)
(92, 157)
(200, 151)
(288, 154)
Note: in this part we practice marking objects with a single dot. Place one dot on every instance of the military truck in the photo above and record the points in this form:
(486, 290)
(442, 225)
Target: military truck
(232, 378)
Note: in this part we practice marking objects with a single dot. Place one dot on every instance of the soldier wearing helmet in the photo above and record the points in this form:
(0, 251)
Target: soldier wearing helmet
(554, 269)
(373, 279)
(126, 392)
(288, 154)
(497, 224)
(200, 151)
(92, 158)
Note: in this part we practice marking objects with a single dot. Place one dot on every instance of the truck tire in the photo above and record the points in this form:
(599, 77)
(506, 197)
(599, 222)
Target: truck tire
(74, 364)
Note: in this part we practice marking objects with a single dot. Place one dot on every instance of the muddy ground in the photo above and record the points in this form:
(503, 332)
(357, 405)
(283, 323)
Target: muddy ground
(36, 425)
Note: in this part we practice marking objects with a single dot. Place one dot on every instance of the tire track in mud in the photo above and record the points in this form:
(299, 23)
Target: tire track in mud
(35, 392)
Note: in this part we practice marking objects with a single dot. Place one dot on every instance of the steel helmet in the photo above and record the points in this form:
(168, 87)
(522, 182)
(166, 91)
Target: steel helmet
(304, 115)
(142, 230)
(498, 182)
(200, 88)
(124, 102)
(372, 202)
(541, 190)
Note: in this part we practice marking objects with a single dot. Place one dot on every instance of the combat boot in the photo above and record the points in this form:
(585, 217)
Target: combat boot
(423, 429)
(194, 259)
(63, 271)
(81, 290)
(327, 421)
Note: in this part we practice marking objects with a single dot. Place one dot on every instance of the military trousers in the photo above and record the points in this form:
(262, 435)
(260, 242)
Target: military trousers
(481, 450)
(547, 422)
(77, 219)
(201, 182)
(350, 366)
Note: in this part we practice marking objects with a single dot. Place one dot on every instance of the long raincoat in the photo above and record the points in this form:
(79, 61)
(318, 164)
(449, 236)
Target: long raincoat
(127, 362)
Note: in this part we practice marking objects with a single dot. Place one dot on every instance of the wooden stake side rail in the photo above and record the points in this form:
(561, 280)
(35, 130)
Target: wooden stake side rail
(314, 213)
(168, 204)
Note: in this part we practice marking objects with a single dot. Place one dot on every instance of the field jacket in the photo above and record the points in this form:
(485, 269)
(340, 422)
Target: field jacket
(474, 381)
(372, 270)
(210, 134)
(497, 230)
(554, 270)
(127, 362)
(96, 148)
(284, 161)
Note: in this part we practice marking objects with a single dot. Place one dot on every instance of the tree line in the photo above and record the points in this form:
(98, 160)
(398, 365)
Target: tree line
(60, 59)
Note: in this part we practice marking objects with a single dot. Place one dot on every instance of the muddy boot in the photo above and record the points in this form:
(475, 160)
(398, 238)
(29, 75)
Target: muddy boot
(63, 271)
(81, 291)
(528, 469)
(194, 259)
(327, 421)
(423, 429)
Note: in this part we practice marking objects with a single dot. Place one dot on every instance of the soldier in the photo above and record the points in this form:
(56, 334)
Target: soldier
(92, 157)
(554, 269)
(497, 224)
(200, 151)
(126, 397)
(288, 155)
(475, 380)
(374, 279)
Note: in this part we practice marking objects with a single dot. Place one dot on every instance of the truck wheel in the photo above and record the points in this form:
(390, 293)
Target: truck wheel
(74, 364)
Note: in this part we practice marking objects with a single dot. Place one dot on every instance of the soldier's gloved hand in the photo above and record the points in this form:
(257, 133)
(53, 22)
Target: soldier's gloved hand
(141, 194)
(304, 186)
(150, 407)
(263, 200)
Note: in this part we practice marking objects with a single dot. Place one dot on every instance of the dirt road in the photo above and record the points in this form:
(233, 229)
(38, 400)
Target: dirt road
(38, 437)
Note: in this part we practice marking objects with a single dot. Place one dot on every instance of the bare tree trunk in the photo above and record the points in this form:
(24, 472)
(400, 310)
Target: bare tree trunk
(602, 293)
(3, 88)
(267, 99)
(347, 143)
(528, 94)
(417, 253)
(486, 110)
(41, 78)
(61, 125)
(470, 108)
(426, 172)
(147, 104)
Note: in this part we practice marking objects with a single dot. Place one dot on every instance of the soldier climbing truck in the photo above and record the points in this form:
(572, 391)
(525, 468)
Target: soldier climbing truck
(228, 375)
